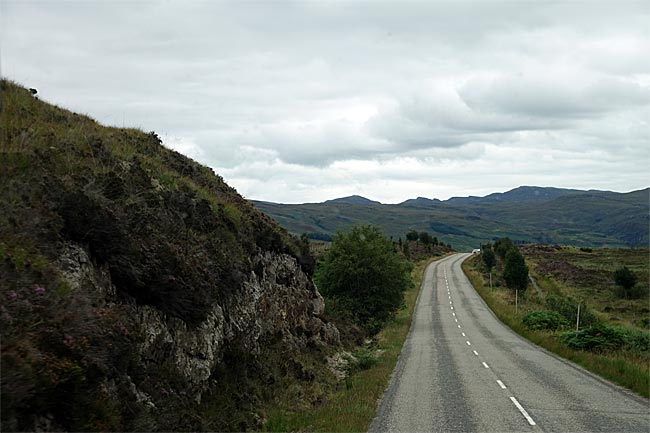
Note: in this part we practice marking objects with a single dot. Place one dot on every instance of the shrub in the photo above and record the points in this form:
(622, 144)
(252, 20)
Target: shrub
(545, 319)
(489, 259)
(365, 359)
(502, 246)
(643, 322)
(363, 272)
(568, 307)
(515, 271)
(626, 279)
(603, 337)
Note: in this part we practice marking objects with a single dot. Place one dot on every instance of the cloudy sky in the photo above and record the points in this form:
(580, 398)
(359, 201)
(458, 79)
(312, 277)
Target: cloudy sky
(297, 101)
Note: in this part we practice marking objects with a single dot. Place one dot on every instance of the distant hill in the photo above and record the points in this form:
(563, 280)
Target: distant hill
(420, 201)
(525, 214)
(518, 195)
(354, 199)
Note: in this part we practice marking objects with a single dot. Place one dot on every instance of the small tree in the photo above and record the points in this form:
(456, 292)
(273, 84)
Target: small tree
(515, 271)
(425, 238)
(625, 278)
(363, 273)
(412, 236)
(502, 246)
(489, 258)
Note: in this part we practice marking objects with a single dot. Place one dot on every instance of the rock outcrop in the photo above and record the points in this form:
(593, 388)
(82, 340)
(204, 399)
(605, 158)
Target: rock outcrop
(140, 292)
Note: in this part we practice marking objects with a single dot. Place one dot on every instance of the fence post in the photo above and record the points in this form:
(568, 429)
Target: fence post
(516, 301)
(578, 318)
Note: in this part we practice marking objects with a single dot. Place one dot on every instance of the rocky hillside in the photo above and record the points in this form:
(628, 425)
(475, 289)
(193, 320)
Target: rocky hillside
(139, 291)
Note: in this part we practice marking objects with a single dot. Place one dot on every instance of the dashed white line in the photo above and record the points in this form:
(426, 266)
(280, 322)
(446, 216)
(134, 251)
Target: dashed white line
(458, 325)
(456, 320)
(453, 314)
(451, 308)
(468, 343)
(523, 411)
(485, 365)
(463, 334)
(501, 384)
(475, 352)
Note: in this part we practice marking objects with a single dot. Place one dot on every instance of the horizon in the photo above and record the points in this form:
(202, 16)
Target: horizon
(448, 198)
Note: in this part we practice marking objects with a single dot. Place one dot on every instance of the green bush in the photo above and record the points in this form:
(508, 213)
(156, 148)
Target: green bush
(639, 340)
(545, 319)
(568, 307)
(643, 323)
(489, 258)
(365, 359)
(363, 273)
(515, 271)
(603, 337)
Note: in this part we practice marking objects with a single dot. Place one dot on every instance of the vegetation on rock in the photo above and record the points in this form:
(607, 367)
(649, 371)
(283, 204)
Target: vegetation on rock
(139, 291)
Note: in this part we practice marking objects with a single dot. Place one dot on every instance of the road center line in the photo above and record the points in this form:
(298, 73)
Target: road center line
(475, 352)
(458, 325)
(463, 334)
(523, 411)
(501, 384)
(453, 314)
(485, 365)
(468, 343)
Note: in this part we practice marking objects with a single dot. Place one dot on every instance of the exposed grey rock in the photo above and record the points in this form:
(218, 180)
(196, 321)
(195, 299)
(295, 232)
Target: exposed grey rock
(280, 300)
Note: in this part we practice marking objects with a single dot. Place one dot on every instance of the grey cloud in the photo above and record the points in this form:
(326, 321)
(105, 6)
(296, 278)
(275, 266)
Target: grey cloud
(241, 85)
(552, 97)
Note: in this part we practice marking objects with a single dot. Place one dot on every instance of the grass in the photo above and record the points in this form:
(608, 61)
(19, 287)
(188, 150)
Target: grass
(352, 407)
(589, 277)
(628, 369)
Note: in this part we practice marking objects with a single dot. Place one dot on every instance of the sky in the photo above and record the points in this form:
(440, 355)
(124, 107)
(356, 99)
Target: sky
(304, 101)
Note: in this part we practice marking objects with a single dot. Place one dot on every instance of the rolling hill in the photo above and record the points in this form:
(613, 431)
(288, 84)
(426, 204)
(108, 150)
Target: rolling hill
(525, 214)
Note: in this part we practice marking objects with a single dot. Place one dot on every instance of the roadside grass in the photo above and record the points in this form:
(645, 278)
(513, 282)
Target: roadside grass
(628, 369)
(352, 406)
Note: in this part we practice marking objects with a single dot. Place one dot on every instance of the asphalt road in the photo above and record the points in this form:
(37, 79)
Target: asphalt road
(463, 370)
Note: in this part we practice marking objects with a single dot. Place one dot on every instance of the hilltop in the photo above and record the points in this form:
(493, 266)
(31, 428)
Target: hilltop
(354, 199)
(526, 214)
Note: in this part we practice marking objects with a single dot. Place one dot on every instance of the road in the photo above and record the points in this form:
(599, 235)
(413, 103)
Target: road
(461, 369)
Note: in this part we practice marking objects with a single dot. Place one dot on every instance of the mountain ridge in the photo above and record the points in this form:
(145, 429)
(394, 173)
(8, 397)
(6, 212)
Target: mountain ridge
(518, 194)
(526, 214)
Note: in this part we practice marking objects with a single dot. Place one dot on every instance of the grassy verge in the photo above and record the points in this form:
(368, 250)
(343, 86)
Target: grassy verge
(352, 408)
(630, 370)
